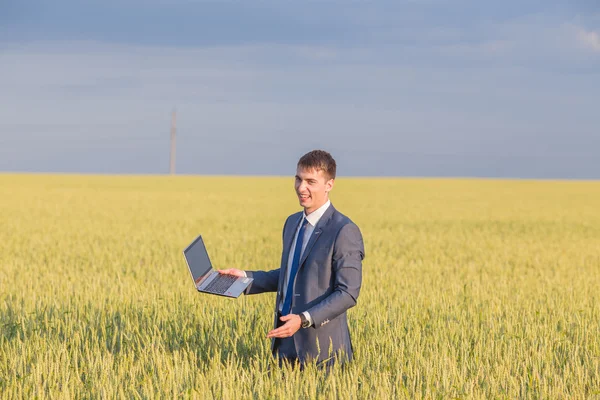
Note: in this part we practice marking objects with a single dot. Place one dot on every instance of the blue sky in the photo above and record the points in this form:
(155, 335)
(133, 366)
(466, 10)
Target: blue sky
(402, 88)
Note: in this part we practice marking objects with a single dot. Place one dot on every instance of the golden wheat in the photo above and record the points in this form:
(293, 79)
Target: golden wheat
(471, 289)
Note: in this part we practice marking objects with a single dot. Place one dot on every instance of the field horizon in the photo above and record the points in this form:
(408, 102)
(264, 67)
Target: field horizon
(259, 176)
(472, 288)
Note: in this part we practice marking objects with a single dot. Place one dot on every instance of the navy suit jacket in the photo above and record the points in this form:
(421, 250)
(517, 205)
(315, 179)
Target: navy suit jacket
(327, 283)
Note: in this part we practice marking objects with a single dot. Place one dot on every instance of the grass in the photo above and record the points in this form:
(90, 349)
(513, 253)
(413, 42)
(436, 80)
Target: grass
(471, 289)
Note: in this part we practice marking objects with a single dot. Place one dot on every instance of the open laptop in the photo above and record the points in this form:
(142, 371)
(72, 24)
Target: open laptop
(208, 280)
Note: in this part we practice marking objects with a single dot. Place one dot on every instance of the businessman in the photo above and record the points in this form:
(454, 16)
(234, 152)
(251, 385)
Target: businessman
(320, 274)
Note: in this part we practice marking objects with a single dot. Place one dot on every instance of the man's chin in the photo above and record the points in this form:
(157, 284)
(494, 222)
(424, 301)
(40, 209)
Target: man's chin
(305, 203)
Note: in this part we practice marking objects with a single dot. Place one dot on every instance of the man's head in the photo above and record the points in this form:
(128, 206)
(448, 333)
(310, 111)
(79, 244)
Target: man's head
(315, 175)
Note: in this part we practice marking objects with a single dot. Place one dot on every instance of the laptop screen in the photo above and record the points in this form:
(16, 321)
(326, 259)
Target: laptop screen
(197, 259)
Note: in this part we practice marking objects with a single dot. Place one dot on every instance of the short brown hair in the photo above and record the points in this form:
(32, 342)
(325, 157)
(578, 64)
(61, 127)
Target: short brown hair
(319, 160)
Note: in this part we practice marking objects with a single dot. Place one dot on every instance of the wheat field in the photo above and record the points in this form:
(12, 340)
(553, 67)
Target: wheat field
(471, 289)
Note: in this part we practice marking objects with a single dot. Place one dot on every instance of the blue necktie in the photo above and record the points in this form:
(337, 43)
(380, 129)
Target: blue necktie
(287, 304)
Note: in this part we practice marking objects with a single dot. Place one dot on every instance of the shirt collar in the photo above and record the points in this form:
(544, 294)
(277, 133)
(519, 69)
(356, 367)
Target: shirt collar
(314, 217)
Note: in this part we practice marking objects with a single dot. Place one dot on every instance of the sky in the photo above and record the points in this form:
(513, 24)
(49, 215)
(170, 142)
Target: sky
(391, 88)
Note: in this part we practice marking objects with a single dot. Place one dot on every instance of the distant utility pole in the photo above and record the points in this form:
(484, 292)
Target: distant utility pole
(173, 142)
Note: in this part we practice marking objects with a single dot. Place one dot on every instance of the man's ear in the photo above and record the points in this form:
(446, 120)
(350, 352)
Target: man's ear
(329, 185)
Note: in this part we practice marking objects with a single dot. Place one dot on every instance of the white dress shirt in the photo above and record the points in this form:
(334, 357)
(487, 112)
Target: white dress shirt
(313, 218)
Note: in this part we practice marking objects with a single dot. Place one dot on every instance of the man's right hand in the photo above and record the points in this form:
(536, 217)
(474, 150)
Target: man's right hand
(232, 271)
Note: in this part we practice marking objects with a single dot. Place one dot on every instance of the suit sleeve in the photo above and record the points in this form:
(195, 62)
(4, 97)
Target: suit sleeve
(264, 281)
(348, 253)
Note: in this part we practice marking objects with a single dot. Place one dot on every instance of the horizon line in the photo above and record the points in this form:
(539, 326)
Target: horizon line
(254, 176)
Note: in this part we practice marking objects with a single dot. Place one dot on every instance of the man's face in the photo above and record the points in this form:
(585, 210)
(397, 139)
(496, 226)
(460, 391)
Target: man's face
(312, 188)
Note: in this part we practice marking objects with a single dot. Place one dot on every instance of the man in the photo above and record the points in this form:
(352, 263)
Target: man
(320, 274)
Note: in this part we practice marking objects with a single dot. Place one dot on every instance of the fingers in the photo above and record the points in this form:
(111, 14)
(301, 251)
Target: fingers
(281, 332)
(231, 271)
(288, 329)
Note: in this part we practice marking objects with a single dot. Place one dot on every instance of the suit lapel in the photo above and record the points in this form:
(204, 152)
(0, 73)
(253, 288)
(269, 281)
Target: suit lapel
(317, 233)
(291, 232)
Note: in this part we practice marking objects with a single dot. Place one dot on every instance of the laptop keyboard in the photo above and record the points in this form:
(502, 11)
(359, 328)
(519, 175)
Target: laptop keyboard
(220, 284)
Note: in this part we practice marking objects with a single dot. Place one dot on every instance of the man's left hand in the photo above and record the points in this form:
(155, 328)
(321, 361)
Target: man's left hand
(291, 326)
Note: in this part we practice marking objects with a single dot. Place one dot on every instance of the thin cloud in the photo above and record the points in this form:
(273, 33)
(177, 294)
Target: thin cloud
(489, 48)
(589, 39)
